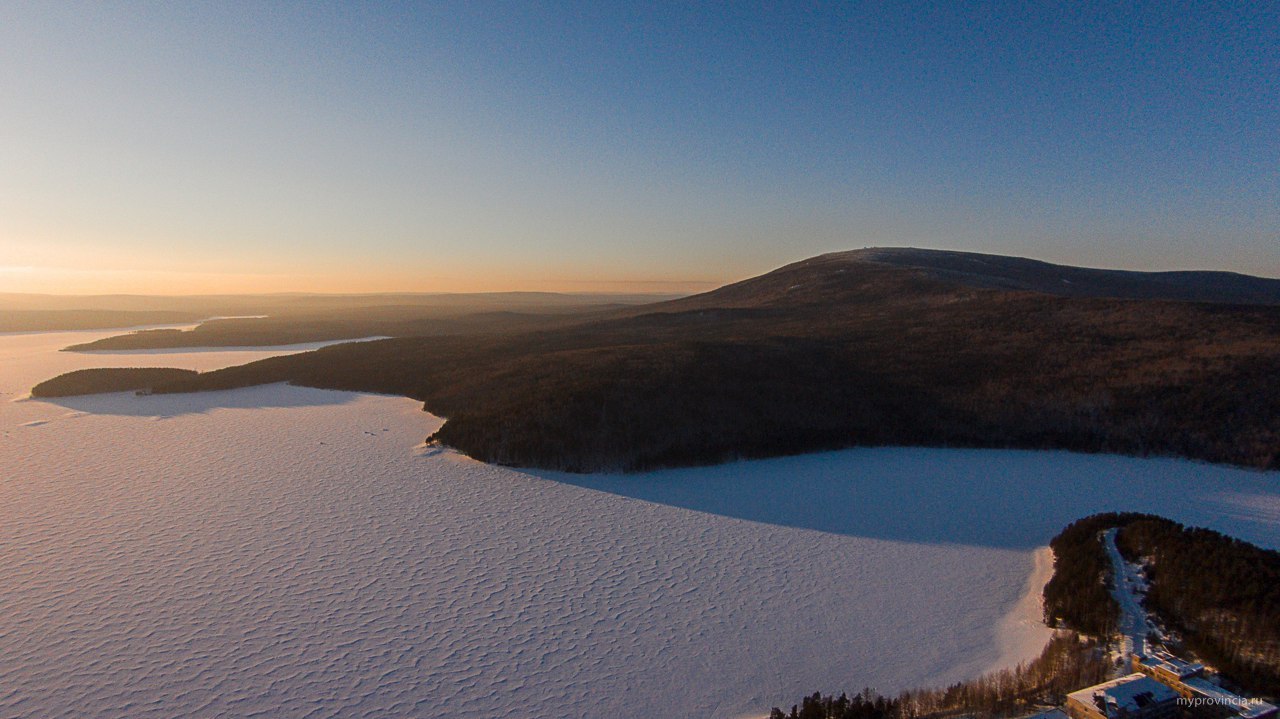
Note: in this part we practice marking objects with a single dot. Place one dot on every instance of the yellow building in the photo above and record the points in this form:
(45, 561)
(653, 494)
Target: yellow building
(1189, 681)
(1136, 696)
(1169, 670)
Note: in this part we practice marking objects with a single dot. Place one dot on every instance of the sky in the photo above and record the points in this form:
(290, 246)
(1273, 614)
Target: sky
(225, 147)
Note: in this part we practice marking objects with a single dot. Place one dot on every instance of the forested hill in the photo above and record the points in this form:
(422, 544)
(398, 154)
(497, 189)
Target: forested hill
(876, 273)
(845, 349)
(1220, 594)
(1019, 273)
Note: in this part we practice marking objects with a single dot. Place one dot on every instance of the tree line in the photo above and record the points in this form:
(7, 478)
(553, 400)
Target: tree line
(1220, 593)
(1067, 663)
(1078, 596)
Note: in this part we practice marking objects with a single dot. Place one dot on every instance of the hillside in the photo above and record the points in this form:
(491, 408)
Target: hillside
(14, 320)
(1018, 273)
(845, 349)
(880, 272)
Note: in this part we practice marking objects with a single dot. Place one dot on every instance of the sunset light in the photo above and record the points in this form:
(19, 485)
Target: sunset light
(581, 359)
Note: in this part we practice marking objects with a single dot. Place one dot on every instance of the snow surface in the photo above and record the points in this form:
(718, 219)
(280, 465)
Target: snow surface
(231, 350)
(1134, 624)
(290, 552)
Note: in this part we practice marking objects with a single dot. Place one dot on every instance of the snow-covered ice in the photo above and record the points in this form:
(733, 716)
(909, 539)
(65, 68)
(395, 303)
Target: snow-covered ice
(290, 552)
(226, 351)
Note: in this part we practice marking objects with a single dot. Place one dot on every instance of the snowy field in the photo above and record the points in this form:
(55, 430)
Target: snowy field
(288, 552)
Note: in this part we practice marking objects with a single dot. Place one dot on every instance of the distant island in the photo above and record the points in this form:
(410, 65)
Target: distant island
(123, 379)
(869, 347)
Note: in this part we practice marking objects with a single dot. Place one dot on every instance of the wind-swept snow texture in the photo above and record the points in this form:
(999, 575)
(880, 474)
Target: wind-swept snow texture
(288, 552)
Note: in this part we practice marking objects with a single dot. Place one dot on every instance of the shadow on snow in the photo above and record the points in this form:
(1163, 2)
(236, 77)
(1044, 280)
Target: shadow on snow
(129, 404)
(1000, 498)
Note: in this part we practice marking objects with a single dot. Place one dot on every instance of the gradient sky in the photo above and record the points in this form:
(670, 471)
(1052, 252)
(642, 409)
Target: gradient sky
(192, 147)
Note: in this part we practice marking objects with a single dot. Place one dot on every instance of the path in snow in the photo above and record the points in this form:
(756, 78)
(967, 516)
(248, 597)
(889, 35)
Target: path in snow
(1126, 582)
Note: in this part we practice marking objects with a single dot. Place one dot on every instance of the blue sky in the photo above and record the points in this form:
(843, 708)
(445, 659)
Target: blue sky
(589, 146)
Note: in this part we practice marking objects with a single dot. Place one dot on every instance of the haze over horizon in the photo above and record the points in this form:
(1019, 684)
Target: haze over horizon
(224, 148)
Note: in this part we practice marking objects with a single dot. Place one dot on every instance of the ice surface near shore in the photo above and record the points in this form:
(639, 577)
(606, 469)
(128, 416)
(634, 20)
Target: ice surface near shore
(230, 351)
(287, 552)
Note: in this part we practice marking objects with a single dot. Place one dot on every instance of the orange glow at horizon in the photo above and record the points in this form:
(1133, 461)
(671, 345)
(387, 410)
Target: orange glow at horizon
(82, 281)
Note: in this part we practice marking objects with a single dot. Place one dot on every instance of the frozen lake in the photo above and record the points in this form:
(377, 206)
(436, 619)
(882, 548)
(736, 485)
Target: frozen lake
(288, 552)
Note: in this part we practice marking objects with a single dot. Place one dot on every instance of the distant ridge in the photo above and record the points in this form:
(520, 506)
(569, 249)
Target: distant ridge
(854, 274)
(882, 346)
(1018, 273)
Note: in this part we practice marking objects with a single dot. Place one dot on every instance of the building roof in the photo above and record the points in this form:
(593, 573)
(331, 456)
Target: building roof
(1126, 695)
(1246, 708)
(1257, 708)
(1055, 713)
(1173, 665)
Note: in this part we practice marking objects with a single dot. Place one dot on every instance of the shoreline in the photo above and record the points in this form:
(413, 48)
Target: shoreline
(1022, 633)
